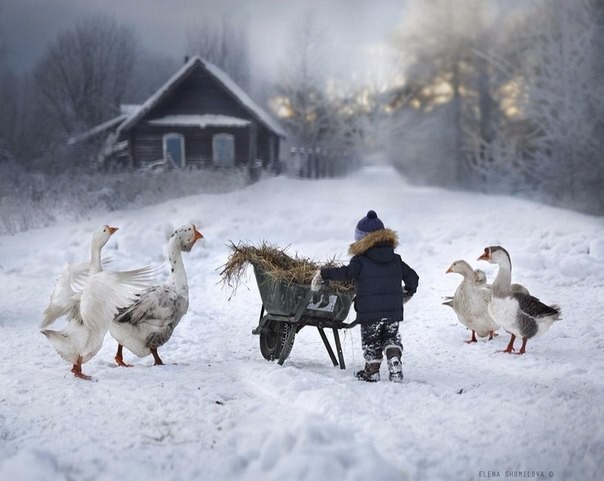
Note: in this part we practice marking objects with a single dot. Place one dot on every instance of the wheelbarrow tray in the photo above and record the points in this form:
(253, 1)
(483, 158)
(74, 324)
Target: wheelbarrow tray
(286, 299)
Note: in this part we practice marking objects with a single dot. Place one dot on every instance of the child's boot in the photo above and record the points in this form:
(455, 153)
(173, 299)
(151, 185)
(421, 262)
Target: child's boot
(371, 373)
(395, 368)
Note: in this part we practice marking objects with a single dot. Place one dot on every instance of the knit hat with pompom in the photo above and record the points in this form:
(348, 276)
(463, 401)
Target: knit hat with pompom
(369, 223)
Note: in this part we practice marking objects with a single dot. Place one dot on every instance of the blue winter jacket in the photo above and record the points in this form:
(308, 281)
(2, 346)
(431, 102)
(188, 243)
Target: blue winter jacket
(378, 273)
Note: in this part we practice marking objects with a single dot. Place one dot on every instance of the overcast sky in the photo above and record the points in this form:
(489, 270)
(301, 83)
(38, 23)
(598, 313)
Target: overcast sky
(29, 25)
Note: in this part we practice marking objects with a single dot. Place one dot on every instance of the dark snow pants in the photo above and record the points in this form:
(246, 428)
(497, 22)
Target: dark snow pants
(377, 336)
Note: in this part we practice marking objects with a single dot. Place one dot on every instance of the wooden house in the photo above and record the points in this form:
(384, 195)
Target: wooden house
(199, 117)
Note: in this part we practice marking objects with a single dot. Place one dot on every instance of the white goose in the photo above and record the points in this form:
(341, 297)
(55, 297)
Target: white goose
(522, 315)
(470, 301)
(150, 321)
(64, 300)
(90, 301)
(480, 278)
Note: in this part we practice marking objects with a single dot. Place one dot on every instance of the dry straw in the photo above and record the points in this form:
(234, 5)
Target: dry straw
(275, 262)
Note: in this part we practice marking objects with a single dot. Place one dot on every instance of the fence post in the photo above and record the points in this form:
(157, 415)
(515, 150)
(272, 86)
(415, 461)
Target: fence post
(301, 157)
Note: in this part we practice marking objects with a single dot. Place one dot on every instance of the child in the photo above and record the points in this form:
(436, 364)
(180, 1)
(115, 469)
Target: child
(377, 272)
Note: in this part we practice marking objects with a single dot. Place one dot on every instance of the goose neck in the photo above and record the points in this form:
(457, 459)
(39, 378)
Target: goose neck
(502, 285)
(95, 258)
(177, 268)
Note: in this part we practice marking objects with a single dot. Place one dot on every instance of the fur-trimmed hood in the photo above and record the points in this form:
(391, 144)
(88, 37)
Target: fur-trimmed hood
(382, 236)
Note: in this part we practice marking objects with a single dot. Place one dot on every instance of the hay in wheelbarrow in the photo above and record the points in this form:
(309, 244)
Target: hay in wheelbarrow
(276, 262)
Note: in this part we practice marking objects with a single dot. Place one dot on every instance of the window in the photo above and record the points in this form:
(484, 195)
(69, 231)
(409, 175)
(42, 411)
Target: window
(174, 149)
(223, 150)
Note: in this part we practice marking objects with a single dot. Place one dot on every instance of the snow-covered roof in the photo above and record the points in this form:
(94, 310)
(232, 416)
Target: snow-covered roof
(206, 120)
(129, 109)
(243, 98)
(97, 130)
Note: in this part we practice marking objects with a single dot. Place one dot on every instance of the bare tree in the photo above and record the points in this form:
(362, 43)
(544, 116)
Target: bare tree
(17, 115)
(225, 44)
(150, 72)
(432, 35)
(438, 37)
(302, 89)
(85, 73)
(5, 98)
(16, 110)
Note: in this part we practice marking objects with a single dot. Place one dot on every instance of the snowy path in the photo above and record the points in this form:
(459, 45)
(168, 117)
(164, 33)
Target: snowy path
(222, 412)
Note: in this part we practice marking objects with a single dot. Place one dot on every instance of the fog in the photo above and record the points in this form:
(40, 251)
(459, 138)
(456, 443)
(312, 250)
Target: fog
(354, 25)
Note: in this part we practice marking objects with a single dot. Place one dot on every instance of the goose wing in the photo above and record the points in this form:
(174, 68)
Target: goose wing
(64, 300)
(136, 280)
(107, 291)
(532, 307)
(158, 305)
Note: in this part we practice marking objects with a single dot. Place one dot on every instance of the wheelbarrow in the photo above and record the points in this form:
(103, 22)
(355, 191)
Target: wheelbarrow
(287, 307)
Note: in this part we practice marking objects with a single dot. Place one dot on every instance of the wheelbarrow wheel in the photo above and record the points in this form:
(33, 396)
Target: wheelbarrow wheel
(274, 340)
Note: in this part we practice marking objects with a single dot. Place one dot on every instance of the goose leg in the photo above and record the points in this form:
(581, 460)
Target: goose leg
(77, 370)
(523, 348)
(119, 358)
(158, 361)
(510, 347)
(473, 339)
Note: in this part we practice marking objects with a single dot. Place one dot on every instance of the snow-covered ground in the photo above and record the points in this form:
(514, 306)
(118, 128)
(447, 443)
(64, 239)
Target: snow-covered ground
(219, 411)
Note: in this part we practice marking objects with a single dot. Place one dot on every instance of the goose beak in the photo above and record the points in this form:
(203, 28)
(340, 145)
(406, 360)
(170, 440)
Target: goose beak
(449, 270)
(112, 230)
(486, 255)
(198, 235)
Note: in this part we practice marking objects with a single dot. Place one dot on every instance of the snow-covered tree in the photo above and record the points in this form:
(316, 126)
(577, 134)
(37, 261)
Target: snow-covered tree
(365, 113)
(449, 75)
(437, 36)
(559, 98)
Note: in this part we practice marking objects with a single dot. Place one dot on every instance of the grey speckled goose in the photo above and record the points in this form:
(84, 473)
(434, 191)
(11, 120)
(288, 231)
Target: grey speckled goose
(522, 315)
(150, 321)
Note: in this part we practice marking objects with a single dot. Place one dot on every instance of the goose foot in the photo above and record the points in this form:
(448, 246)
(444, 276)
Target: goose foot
(81, 375)
(473, 339)
(492, 335)
(77, 370)
(119, 358)
(120, 362)
(523, 347)
(510, 348)
(158, 361)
